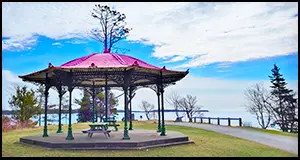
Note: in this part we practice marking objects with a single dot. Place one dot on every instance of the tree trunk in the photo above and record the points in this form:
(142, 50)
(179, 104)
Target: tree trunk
(147, 115)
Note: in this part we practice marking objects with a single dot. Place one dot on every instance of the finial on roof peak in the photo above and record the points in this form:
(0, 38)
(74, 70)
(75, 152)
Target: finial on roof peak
(135, 63)
(106, 51)
(50, 65)
(187, 71)
(93, 65)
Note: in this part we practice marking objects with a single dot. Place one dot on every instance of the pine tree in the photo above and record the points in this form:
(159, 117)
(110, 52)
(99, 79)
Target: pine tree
(24, 104)
(84, 112)
(284, 106)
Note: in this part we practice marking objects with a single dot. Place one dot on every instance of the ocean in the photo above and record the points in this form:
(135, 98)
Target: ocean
(168, 116)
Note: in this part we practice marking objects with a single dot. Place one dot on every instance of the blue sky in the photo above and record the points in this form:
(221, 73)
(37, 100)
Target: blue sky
(227, 46)
(58, 52)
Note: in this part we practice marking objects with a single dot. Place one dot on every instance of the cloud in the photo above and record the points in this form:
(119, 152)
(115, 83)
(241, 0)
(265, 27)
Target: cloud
(175, 59)
(76, 41)
(18, 43)
(204, 32)
(56, 44)
(9, 79)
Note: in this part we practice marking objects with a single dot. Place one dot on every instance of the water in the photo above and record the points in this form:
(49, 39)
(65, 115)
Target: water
(137, 116)
(168, 116)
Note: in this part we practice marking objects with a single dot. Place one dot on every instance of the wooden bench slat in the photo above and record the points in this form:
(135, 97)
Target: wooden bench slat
(107, 131)
(113, 125)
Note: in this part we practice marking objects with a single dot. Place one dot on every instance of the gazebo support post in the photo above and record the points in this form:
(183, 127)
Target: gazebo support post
(106, 97)
(158, 109)
(60, 95)
(93, 96)
(70, 89)
(127, 77)
(163, 129)
(47, 87)
(130, 108)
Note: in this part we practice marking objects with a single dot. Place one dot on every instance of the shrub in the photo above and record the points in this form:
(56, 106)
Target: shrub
(9, 124)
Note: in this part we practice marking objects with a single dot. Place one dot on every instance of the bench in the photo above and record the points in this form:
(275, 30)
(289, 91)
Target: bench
(97, 128)
(106, 132)
(111, 122)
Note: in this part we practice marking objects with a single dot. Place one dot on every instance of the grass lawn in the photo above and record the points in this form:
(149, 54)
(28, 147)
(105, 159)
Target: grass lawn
(273, 131)
(207, 143)
(262, 130)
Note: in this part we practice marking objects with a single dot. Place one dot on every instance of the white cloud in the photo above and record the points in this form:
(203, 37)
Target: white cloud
(21, 42)
(175, 59)
(76, 41)
(9, 79)
(205, 32)
(56, 44)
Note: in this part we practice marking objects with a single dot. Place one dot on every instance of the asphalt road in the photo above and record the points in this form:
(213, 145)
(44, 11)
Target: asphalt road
(286, 143)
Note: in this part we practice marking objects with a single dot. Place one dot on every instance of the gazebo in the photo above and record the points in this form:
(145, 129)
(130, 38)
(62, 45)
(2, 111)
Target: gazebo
(106, 70)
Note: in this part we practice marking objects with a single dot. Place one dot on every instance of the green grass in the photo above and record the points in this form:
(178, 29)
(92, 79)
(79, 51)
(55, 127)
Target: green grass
(263, 130)
(273, 131)
(207, 143)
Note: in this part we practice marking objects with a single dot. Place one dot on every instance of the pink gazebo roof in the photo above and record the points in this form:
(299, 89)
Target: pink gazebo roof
(106, 60)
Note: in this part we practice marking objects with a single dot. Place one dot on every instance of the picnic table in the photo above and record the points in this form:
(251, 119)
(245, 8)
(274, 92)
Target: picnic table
(98, 128)
(111, 122)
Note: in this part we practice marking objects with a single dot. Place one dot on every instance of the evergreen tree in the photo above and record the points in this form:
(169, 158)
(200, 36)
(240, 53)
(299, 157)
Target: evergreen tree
(24, 104)
(41, 97)
(284, 106)
(84, 112)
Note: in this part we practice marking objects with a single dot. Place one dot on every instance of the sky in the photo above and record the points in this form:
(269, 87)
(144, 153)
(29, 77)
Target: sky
(228, 47)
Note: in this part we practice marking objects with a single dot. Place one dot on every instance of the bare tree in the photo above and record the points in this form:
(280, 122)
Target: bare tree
(258, 104)
(173, 99)
(189, 104)
(148, 108)
(112, 26)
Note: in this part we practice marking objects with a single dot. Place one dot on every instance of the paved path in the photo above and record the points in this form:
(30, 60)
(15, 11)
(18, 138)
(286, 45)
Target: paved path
(286, 143)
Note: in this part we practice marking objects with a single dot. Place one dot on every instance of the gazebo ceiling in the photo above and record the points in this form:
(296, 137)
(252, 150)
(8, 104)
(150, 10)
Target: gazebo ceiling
(95, 68)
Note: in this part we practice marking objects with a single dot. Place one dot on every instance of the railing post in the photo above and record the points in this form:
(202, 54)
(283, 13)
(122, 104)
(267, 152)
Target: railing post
(240, 120)
(229, 121)
(194, 119)
(218, 121)
(208, 120)
(201, 120)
